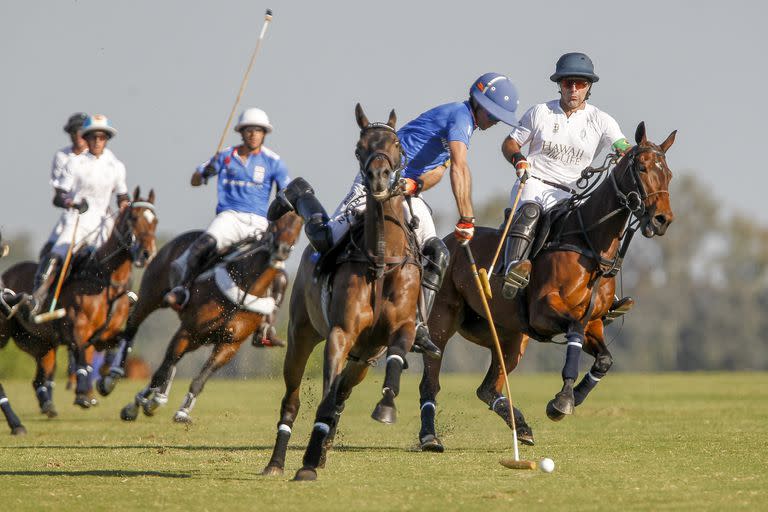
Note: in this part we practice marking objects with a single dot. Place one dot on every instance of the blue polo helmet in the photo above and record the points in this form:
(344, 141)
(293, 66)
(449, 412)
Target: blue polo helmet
(498, 95)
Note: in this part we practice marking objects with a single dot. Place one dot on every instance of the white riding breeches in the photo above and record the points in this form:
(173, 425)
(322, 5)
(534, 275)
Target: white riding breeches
(536, 191)
(353, 205)
(230, 227)
(93, 229)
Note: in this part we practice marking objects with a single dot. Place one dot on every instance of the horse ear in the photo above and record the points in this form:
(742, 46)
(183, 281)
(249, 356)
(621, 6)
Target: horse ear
(151, 197)
(640, 133)
(668, 142)
(392, 119)
(362, 120)
(136, 192)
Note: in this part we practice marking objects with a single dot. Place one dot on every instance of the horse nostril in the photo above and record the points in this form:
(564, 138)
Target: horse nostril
(660, 219)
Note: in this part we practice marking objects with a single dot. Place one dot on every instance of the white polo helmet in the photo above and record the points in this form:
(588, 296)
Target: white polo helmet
(100, 123)
(253, 117)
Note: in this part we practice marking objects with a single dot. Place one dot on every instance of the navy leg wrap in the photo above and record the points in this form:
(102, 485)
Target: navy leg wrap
(281, 446)
(586, 385)
(42, 395)
(315, 446)
(395, 363)
(428, 411)
(5, 405)
(571, 368)
(83, 379)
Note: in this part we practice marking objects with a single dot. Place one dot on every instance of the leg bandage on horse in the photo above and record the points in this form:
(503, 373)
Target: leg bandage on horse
(518, 246)
(572, 355)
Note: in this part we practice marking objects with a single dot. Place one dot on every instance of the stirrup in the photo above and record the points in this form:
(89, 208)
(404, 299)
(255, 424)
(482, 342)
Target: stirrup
(516, 278)
(619, 308)
(177, 298)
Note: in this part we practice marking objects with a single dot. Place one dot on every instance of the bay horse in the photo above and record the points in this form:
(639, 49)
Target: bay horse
(570, 292)
(227, 304)
(370, 308)
(95, 297)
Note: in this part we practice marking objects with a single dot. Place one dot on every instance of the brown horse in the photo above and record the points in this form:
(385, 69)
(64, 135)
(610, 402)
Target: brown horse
(571, 288)
(371, 304)
(7, 299)
(227, 304)
(95, 298)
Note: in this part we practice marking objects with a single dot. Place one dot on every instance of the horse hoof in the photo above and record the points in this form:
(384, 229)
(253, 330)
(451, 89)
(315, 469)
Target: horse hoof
(272, 471)
(19, 431)
(553, 413)
(431, 443)
(525, 435)
(149, 407)
(106, 385)
(83, 401)
(49, 409)
(305, 474)
(384, 414)
(130, 412)
(182, 417)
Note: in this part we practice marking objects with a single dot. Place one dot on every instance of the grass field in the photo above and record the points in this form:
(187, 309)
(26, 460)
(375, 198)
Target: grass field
(640, 442)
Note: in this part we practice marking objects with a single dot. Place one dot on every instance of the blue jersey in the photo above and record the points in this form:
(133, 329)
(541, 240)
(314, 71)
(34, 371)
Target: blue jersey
(425, 139)
(246, 186)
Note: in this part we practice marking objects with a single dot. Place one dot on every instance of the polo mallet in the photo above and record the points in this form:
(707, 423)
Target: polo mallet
(53, 313)
(267, 19)
(515, 463)
(484, 274)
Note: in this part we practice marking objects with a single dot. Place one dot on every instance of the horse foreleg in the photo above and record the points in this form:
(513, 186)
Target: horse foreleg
(14, 422)
(353, 374)
(400, 343)
(43, 383)
(564, 402)
(595, 346)
(221, 355)
(83, 388)
(336, 351)
(149, 301)
(428, 389)
(301, 340)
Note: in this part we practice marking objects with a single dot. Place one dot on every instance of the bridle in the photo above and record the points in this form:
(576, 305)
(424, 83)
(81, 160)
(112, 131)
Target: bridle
(126, 238)
(397, 167)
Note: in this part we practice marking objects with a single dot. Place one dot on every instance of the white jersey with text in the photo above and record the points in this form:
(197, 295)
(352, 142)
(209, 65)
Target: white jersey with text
(560, 147)
(95, 179)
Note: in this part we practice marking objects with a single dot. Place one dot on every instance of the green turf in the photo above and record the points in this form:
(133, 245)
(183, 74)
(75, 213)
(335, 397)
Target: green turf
(640, 442)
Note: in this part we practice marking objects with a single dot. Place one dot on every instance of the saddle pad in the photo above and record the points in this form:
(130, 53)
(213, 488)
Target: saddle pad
(252, 303)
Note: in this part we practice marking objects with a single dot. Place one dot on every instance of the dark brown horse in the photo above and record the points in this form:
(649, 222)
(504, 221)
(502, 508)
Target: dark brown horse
(227, 304)
(95, 297)
(7, 300)
(369, 309)
(571, 288)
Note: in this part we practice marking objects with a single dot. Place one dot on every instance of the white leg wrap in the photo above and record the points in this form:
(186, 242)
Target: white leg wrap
(574, 343)
(3, 400)
(429, 404)
(589, 374)
(502, 398)
(397, 357)
(284, 428)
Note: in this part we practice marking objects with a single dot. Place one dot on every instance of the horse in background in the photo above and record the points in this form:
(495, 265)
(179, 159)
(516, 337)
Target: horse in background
(95, 297)
(227, 304)
(570, 292)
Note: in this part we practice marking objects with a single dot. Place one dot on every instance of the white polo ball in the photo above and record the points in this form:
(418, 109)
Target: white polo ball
(547, 465)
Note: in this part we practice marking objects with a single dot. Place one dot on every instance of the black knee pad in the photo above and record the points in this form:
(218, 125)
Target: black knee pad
(524, 224)
(297, 188)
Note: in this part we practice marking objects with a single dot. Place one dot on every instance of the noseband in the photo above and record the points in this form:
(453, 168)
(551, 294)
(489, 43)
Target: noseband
(634, 201)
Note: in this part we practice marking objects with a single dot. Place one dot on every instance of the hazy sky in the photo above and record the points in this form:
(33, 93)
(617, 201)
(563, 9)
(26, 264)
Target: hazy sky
(167, 72)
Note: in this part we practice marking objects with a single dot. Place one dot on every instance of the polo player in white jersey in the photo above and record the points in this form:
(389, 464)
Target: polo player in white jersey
(563, 136)
(84, 187)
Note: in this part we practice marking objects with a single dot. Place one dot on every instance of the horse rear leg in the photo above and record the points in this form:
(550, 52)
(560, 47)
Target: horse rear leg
(43, 383)
(400, 344)
(221, 355)
(301, 341)
(83, 387)
(150, 299)
(595, 346)
(490, 390)
(17, 429)
(156, 392)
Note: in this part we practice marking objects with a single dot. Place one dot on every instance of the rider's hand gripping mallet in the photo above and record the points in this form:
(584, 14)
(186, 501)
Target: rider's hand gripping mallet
(515, 463)
(53, 313)
(484, 274)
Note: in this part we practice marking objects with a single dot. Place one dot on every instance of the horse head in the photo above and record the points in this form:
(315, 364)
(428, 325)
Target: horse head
(380, 155)
(137, 225)
(645, 183)
(285, 231)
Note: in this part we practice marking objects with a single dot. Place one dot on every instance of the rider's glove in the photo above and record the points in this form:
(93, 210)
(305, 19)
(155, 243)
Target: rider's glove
(82, 207)
(465, 229)
(521, 166)
(621, 147)
(209, 170)
(412, 187)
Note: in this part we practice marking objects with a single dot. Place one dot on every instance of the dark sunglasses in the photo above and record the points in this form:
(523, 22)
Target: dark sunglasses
(575, 82)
